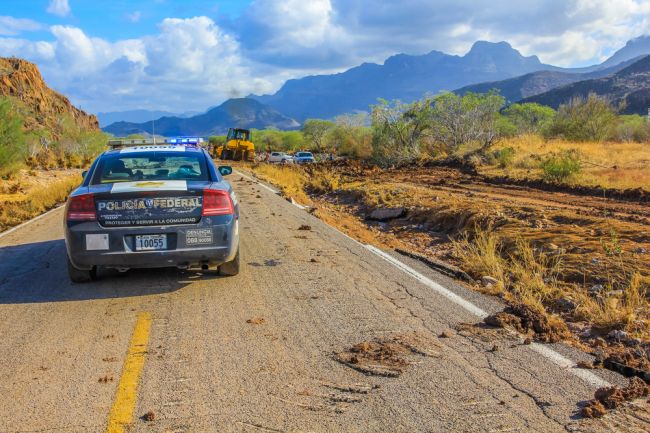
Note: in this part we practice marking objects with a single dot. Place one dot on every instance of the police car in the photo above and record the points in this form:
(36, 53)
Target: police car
(151, 205)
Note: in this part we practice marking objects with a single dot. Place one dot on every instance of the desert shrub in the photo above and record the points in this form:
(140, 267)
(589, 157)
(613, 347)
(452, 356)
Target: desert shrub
(632, 128)
(504, 157)
(561, 167)
(505, 127)
(12, 139)
(350, 137)
(584, 119)
(472, 118)
(529, 118)
(397, 130)
(316, 134)
(273, 139)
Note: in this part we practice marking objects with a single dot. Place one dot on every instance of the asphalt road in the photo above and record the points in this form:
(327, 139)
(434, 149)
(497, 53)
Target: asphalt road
(255, 352)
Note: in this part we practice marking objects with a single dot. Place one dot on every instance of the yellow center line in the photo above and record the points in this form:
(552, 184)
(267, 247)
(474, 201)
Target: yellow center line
(125, 398)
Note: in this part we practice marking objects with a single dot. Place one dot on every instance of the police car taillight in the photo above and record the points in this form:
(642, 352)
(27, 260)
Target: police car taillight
(82, 208)
(216, 202)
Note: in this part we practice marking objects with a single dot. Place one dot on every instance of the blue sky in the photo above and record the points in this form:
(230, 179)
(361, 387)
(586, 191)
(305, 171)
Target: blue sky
(186, 55)
(118, 19)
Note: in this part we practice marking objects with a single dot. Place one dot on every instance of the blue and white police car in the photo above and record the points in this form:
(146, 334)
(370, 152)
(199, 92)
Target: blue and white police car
(150, 206)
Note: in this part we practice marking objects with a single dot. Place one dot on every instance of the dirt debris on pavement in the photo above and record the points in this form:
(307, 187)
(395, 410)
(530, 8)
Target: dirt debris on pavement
(608, 398)
(587, 365)
(304, 227)
(256, 321)
(149, 416)
(105, 379)
(528, 321)
(386, 357)
(597, 241)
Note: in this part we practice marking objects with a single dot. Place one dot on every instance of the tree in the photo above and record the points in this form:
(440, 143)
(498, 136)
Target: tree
(316, 132)
(529, 118)
(351, 136)
(398, 129)
(472, 118)
(585, 119)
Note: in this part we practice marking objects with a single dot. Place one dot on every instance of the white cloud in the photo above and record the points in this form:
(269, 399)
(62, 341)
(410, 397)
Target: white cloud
(134, 17)
(59, 7)
(335, 34)
(188, 65)
(10, 26)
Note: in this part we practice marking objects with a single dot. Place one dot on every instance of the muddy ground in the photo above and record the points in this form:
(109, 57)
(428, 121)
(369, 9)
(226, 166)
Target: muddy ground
(597, 242)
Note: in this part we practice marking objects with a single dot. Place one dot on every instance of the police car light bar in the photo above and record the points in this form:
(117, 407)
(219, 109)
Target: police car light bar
(128, 142)
(184, 140)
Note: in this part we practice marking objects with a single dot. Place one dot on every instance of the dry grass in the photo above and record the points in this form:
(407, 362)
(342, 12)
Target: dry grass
(291, 180)
(606, 164)
(541, 253)
(38, 195)
(524, 274)
(530, 276)
(628, 312)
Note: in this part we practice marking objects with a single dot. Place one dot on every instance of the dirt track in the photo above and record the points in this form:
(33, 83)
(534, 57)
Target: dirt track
(262, 352)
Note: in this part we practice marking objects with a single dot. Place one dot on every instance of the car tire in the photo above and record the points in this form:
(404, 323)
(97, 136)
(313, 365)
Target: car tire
(231, 268)
(80, 275)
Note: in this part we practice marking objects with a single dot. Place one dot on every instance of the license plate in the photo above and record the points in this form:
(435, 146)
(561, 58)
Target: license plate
(150, 242)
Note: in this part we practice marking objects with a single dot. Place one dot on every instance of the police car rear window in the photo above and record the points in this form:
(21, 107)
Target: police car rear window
(129, 167)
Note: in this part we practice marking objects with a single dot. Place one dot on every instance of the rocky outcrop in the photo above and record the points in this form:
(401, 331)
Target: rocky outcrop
(43, 108)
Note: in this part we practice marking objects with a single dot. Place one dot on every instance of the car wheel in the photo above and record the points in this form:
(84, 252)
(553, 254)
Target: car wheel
(80, 275)
(231, 268)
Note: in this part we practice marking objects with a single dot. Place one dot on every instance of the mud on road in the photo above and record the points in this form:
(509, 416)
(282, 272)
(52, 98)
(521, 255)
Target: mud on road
(598, 246)
(263, 351)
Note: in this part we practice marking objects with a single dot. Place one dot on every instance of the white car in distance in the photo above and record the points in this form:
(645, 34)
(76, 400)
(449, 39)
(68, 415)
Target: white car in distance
(280, 158)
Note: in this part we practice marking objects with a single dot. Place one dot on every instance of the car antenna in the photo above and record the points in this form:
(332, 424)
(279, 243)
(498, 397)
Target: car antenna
(153, 127)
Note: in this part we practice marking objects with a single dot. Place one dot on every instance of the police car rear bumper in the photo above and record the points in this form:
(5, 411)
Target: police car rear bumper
(188, 246)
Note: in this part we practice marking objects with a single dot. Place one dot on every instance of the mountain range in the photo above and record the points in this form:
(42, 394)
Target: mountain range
(628, 88)
(534, 83)
(241, 112)
(409, 78)
(401, 77)
(137, 116)
(484, 67)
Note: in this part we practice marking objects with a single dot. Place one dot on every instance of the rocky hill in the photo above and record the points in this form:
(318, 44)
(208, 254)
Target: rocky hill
(535, 83)
(44, 109)
(629, 87)
(402, 76)
(242, 112)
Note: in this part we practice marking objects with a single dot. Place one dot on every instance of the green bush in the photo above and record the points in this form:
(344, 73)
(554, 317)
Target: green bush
(529, 118)
(560, 168)
(633, 128)
(12, 139)
(504, 157)
(584, 119)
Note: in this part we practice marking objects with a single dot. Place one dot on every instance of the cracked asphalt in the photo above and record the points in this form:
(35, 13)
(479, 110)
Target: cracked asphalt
(256, 352)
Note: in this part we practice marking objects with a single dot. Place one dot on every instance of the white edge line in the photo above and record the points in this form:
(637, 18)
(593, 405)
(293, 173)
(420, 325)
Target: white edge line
(274, 191)
(467, 305)
(543, 350)
(19, 226)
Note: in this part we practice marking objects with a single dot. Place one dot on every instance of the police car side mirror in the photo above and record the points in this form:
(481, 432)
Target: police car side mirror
(84, 173)
(225, 170)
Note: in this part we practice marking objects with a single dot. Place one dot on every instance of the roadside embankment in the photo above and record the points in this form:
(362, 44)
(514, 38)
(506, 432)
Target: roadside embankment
(583, 261)
(30, 193)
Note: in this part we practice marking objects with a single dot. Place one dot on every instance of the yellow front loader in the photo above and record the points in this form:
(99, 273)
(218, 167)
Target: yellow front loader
(238, 146)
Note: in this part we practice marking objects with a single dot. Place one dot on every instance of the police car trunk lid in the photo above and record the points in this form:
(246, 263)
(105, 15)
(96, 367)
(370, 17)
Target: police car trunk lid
(149, 203)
